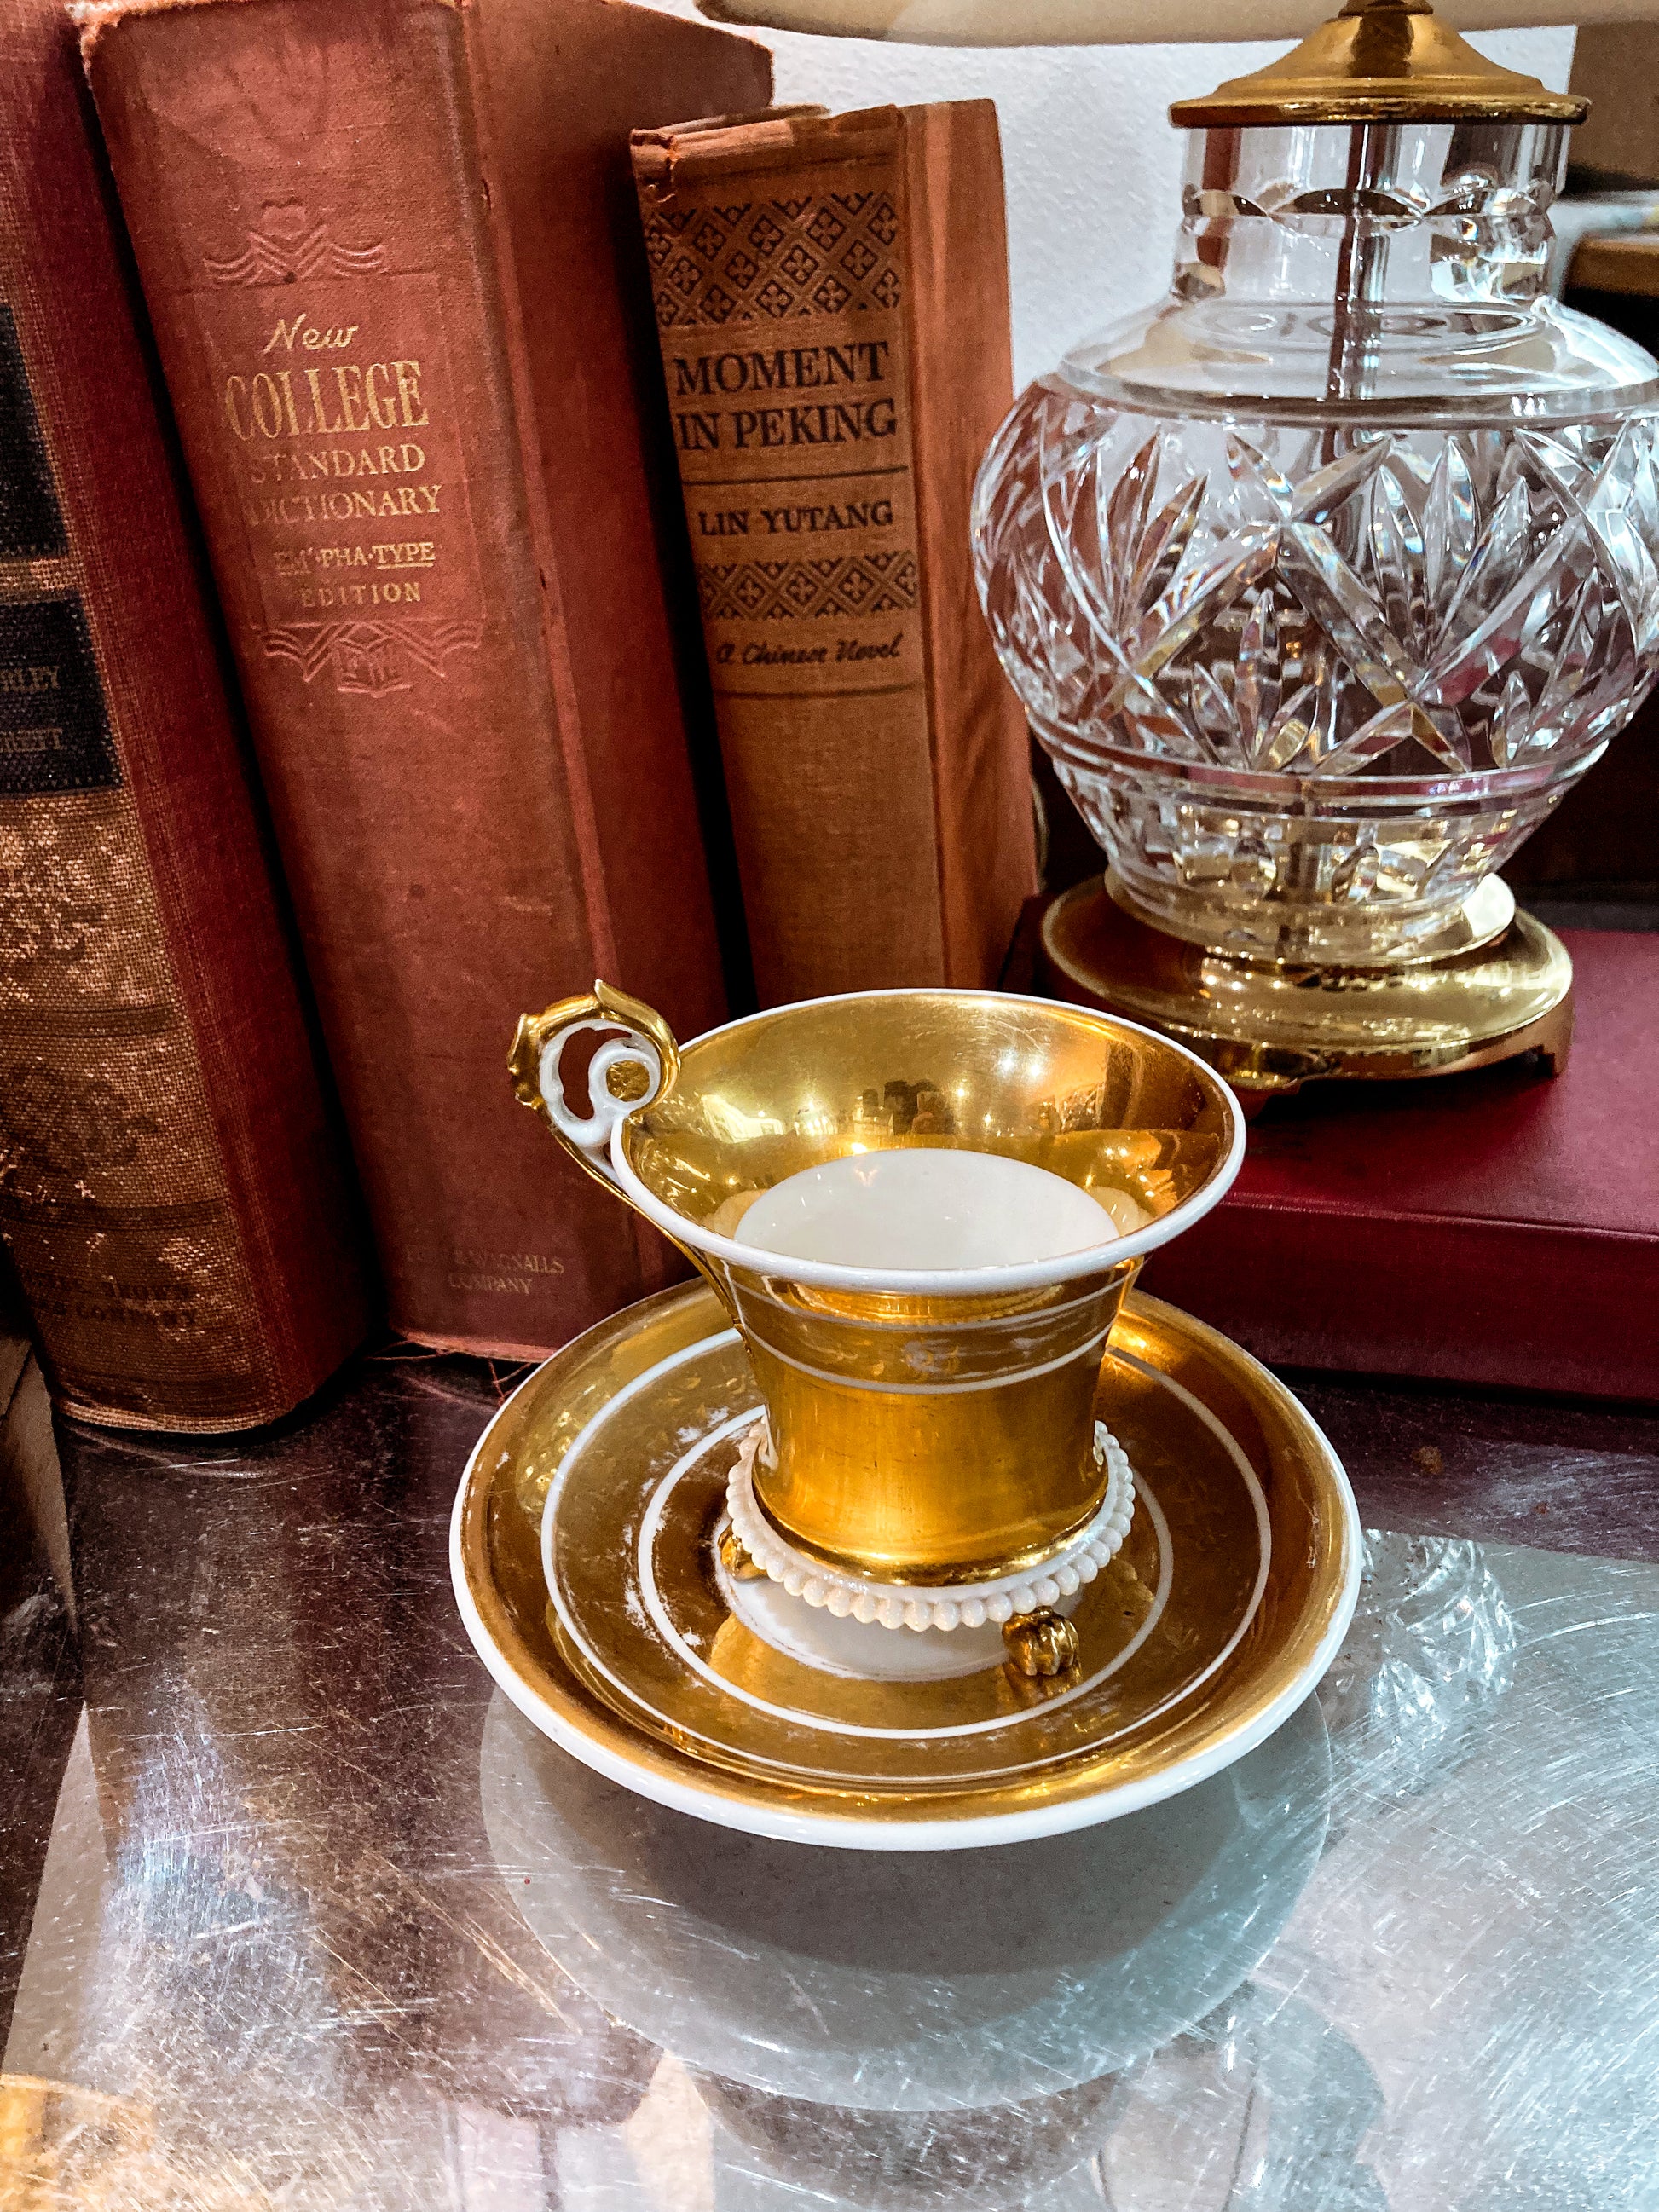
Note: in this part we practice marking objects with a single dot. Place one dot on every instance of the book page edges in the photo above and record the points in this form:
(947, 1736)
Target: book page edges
(778, 138)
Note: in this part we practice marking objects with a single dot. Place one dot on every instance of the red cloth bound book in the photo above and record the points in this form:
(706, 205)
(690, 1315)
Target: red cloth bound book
(394, 269)
(1498, 1228)
(171, 1195)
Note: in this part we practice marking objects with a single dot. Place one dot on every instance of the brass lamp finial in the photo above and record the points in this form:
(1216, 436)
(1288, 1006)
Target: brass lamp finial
(1380, 61)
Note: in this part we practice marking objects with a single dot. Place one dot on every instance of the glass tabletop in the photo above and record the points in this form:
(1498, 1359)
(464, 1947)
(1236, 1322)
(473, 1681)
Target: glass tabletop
(304, 1917)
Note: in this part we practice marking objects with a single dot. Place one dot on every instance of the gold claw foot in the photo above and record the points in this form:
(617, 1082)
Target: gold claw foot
(734, 1556)
(1042, 1643)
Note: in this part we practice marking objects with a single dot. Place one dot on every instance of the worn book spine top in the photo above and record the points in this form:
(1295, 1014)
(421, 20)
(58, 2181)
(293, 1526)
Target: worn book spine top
(171, 1198)
(832, 303)
(405, 332)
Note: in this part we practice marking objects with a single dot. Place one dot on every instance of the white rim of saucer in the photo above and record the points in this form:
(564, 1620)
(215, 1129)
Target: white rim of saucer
(972, 1832)
(940, 1282)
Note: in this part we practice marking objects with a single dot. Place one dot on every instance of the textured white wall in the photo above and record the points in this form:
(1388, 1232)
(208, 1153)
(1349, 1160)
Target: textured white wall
(1093, 168)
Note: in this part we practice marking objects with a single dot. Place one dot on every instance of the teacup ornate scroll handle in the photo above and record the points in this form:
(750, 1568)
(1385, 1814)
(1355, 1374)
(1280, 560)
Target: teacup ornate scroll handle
(626, 1072)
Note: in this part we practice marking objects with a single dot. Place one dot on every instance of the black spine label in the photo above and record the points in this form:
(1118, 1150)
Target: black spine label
(31, 521)
(54, 732)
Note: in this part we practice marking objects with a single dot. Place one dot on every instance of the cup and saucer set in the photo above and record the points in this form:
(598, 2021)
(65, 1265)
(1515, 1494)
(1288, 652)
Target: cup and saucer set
(908, 1523)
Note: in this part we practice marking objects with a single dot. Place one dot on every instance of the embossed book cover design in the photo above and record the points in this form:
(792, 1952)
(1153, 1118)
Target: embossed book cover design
(172, 1199)
(832, 304)
(406, 335)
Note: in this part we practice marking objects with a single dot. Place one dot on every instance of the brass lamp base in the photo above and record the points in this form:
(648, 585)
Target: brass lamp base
(1270, 1026)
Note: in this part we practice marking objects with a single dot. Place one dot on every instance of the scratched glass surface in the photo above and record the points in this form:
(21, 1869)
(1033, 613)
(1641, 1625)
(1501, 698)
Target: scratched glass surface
(313, 1922)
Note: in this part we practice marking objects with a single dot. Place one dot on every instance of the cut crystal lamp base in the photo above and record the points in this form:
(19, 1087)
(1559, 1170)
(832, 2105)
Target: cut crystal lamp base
(1271, 1026)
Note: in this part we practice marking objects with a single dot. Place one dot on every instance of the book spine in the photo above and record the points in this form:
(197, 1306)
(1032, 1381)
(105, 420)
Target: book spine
(828, 423)
(323, 204)
(1497, 1319)
(171, 1197)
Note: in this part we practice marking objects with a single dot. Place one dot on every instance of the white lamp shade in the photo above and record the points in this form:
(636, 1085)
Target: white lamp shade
(1125, 22)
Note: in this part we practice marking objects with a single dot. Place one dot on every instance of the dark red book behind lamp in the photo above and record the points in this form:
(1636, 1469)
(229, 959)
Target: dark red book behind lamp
(1498, 1228)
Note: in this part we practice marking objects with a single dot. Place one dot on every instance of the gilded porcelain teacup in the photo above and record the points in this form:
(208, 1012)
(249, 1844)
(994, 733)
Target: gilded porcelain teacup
(925, 1324)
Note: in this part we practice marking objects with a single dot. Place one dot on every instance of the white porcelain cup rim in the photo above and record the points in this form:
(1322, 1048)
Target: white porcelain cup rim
(599, 1137)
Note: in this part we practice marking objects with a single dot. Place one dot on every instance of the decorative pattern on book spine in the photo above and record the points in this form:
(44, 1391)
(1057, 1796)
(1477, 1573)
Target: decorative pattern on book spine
(764, 261)
(113, 1203)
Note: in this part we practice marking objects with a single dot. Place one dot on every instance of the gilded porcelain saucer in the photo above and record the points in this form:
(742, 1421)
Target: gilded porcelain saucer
(588, 1575)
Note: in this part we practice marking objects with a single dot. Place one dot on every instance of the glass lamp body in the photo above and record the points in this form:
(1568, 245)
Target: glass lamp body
(1324, 579)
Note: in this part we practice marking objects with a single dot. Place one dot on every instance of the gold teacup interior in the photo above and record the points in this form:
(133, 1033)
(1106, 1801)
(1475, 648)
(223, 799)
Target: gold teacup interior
(1112, 1111)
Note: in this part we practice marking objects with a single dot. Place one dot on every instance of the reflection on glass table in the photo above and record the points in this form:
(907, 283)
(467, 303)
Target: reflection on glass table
(910, 1982)
(1123, 2017)
(920, 2026)
(1403, 1955)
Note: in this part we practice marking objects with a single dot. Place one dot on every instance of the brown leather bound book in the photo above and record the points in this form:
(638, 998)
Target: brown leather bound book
(395, 276)
(832, 302)
(172, 1197)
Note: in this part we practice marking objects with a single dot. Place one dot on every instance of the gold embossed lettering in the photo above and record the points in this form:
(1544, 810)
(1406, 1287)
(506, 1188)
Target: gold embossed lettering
(285, 380)
(408, 374)
(377, 396)
(318, 413)
(301, 331)
(350, 378)
(267, 404)
(341, 420)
